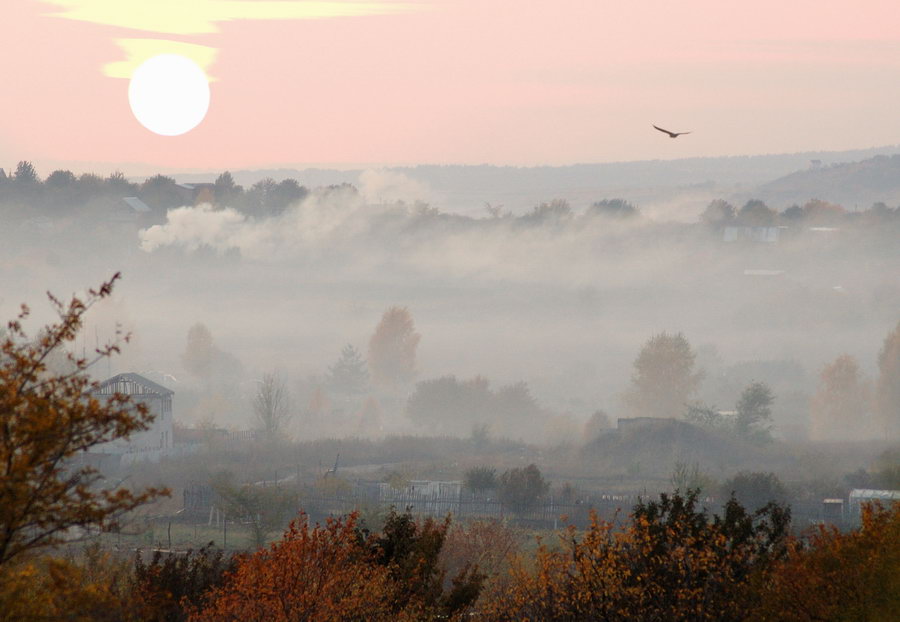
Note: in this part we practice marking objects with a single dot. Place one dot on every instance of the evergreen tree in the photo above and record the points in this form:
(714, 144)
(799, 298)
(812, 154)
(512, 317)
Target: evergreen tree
(348, 376)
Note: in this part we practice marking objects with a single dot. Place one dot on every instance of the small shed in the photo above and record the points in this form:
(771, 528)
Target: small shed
(859, 496)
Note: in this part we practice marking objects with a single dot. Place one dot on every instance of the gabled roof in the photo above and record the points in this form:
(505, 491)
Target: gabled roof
(867, 493)
(132, 384)
(136, 204)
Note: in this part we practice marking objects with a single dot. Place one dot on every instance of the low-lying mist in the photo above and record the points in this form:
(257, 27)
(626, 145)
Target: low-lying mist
(561, 298)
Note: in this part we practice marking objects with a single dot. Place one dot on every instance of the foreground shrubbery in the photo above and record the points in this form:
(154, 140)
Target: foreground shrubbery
(670, 561)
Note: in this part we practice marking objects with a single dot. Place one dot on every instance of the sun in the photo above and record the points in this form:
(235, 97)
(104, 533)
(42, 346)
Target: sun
(169, 94)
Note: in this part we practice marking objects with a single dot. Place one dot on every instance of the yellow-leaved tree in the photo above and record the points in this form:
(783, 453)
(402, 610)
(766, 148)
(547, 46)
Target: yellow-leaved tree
(48, 418)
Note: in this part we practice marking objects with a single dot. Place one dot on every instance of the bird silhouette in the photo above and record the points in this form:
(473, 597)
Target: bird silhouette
(671, 134)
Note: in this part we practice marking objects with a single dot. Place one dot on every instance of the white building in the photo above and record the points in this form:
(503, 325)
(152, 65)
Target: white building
(152, 443)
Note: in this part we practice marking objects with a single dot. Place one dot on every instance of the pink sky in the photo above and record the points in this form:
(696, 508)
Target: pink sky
(471, 81)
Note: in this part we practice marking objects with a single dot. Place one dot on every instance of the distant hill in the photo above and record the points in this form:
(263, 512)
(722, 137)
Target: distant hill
(851, 184)
(466, 188)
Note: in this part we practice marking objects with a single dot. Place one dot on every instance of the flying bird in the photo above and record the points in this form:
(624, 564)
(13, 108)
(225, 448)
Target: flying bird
(671, 134)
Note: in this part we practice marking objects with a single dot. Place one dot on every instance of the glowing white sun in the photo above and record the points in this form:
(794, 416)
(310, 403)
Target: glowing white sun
(169, 94)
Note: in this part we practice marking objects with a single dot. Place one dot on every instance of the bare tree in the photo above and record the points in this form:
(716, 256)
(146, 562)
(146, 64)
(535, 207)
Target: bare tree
(272, 405)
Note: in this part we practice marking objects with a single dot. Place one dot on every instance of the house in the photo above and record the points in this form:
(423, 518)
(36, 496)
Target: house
(136, 205)
(154, 442)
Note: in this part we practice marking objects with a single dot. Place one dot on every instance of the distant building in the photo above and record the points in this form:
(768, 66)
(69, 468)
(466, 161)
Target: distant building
(423, 488)
(136, 205)
(751, 234)
(859, 496)
(191, 194)
(154, 442)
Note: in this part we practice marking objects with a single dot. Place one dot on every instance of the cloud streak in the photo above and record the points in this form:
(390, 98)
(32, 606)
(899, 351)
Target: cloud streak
(177, 17)
(199, 17)
(139, 50)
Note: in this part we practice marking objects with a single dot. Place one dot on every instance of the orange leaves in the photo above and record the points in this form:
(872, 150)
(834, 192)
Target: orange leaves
(47, 418)
(673, 562)
(840, 576)
(320, 573)
(339, 572)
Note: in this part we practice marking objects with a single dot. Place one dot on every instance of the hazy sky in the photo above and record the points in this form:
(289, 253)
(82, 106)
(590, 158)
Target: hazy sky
(450, 81)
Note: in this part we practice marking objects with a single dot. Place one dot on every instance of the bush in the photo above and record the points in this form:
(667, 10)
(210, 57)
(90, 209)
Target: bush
(754, 490)
(673, 562)
(840, 576)
(521, 488)
(480, 479)
(169, 585)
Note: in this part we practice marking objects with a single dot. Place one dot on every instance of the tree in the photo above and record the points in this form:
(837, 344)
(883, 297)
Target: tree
(708, 418)
(754, 413)
(613, 208)
(392, 349)
(887, 391)
(410, 550)
(25, 174)
(755, 489)
(672, 561)
(47, 419)
(286, 193)
(840, 403)
(225, 190)
(521, 488)
(687, 477)
(167, 586)
(199, 352)
(836, 575)
(369, 417)
(341, 572)
(821, 212)
(348, 376)
(664, 378)
(480, 479)
(60, 179)
(556, 211)
(259, 197)
(755, 213)
(118, 183)
(718, 212)
(450, 406)
(323, 573)
(272, 406)
(598, 424)
(204, 360)
(793, 214)
(516, 407)
(264, 508)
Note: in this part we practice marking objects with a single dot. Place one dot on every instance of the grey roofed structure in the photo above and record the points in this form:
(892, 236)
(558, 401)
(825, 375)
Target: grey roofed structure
(132, 384)
(137, 205)
(154, 440)
(858, 496)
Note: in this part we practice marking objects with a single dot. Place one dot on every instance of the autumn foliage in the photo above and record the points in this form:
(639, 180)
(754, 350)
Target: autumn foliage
(673, 562)
(48, 418)
(839, 576)
(338, 571)
(312, 573)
